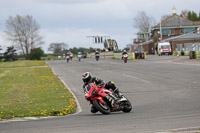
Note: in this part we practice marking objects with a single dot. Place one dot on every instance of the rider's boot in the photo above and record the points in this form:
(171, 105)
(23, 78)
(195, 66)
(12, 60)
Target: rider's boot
(119, 94)
(93, 109)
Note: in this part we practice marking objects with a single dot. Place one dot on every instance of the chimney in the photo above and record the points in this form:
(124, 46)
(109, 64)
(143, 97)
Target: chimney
(174, 11)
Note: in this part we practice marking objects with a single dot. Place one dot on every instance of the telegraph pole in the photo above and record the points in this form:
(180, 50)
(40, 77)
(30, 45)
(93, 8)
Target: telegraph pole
(98, 39)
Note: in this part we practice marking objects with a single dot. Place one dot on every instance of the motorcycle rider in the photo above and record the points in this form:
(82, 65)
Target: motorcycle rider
(71, 55)
(79, 56)
(67, 57)
(96, 52)
(87, 78)
(124, 53)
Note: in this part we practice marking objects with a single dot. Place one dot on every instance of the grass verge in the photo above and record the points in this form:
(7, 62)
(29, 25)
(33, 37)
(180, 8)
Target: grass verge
(26, 92)
(24, 63)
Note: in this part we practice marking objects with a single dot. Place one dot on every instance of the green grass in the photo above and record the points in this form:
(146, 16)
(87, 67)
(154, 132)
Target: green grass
(53, 57)
(50, 57)
(35, 91)
(24, 63)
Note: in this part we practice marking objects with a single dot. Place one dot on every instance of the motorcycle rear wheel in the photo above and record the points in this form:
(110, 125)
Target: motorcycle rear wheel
(103, 108)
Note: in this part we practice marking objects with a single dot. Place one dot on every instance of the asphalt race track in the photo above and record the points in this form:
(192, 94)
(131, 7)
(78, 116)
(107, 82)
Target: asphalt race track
(164, 96)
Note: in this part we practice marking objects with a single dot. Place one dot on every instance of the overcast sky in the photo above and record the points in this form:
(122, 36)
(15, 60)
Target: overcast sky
(70, 21)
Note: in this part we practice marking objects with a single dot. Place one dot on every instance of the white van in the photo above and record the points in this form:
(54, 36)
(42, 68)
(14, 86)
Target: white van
(164, 48)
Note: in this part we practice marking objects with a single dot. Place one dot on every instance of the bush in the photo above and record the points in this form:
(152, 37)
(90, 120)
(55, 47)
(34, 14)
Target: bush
(10, 54)
(36, 54)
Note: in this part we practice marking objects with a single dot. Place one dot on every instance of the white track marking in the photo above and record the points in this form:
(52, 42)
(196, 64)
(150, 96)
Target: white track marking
(129, 76)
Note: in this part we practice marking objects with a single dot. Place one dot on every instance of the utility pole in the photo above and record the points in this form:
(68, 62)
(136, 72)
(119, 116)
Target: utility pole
(99, 39)
(160, 30)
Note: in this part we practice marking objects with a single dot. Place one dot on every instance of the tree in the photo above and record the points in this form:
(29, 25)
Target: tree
(143, 22)
(36, 54)
(193, 16)
(91, 50)
(1, 53)
(57, 48)
(10, 54)
(165, 17)
(24, 32)
(184, 13)
(74, 50)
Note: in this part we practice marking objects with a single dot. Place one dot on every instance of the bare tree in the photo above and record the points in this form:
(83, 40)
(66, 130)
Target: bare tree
(165, 17)
(184, 13)
(143, 22)
(24, 32)
(57, 48)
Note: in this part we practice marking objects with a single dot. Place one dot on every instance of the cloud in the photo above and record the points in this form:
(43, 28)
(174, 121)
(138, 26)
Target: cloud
(73, 37)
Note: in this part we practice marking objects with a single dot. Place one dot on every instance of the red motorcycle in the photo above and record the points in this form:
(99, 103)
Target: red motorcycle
(105, 100)
(125, 58)
(67, 57)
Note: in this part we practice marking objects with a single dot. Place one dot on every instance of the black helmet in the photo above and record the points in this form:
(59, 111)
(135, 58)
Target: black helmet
(86, 77)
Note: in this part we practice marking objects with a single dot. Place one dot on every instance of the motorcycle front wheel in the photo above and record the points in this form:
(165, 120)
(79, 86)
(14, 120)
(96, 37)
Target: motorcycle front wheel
(103, 108)
(127, 106)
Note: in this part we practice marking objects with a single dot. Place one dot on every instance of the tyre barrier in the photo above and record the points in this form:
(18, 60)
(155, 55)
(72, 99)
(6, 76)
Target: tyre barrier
(140, 56)
(181, 53)
(194, 54)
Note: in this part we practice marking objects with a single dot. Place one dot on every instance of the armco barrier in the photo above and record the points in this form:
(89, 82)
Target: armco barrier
(119, 56)
(131, 56)
(174, 53)
(103, 55)
(181, 53)
(186, 53)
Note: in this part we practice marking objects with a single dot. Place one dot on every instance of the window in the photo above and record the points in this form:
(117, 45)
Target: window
(179, 47)
(147, 36)
(141, 36)
(187, 30)
(165, 31)
(188, 46)
(172, 31)
(196, 47)
(165, 46)
(168, 32)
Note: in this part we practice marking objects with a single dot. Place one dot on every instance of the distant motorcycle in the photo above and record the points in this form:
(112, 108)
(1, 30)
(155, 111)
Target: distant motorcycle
(71, 56)
(105, 100)
(125, 58)
(67, 58)
(79, 57)
(97, 57)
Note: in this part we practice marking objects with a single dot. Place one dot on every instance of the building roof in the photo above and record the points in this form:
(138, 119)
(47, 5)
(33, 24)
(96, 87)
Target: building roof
(176, 21)
(188, 36)
(147, 42)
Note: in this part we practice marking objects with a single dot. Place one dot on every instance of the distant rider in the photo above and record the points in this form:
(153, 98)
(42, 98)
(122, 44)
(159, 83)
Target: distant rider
(67, 57)
(96, 53)
(124, 52)
(71, 56)
(87, 78)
